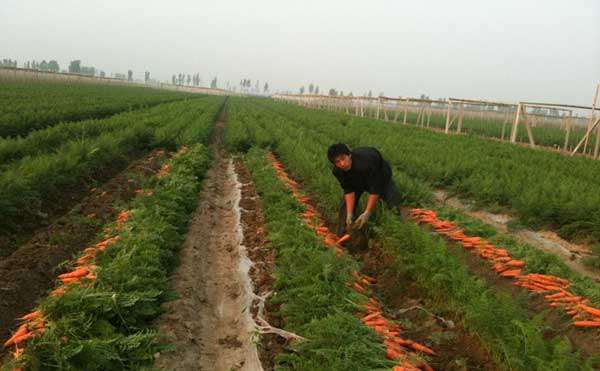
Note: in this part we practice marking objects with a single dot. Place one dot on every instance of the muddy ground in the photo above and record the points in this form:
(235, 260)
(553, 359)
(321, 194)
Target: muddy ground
(211, 322)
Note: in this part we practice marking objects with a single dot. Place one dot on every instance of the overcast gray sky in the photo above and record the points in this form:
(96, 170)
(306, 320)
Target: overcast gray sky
(506, 49)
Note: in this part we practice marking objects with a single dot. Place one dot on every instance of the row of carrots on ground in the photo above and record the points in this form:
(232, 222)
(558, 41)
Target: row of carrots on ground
(397, 348)
(554, 288)
(34, 323)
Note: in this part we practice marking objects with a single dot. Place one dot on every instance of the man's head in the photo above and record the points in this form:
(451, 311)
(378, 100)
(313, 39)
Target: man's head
(339, 155)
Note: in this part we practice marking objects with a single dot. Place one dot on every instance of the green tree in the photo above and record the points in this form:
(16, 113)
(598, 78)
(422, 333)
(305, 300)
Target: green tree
(74, 66)
(53, 66)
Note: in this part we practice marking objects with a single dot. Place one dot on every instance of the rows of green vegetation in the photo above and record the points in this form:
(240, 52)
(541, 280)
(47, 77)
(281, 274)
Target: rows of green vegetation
(107, 324)
(31, 185)
(502, 322)
(50, 139)
(543, 189)
(310, 281)
(26, 106)
(544, 135)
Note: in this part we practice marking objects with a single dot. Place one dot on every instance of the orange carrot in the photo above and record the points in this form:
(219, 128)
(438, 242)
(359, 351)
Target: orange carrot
(586, 323)
(594, 311)
(79, 272)
(22, 338)
(31, 316)
(371, 316)
(516, 263)
(343, 239)
(511, 273)
(421, 348)
(22, 330)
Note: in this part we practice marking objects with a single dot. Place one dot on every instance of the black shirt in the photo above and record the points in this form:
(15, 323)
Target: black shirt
(369, 172)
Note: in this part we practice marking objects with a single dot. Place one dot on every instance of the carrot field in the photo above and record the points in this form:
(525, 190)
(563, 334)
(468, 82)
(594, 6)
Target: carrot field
(148, 229)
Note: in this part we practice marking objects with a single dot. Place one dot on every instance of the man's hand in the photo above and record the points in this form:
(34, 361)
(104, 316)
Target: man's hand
(362, 219)
(349, 217)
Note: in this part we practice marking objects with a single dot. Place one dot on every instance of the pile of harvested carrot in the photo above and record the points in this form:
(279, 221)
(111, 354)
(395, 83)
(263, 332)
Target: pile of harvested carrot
(554, 288)
(83, 274)
(397, 348)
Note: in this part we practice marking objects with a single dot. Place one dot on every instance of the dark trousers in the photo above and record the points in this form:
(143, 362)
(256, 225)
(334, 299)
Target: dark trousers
(390, 197)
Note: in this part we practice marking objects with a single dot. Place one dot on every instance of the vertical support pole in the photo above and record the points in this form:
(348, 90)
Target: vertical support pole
(460, 118)
(429, 109)
(528, 126)
(448, 113)
(568, 130)
(378, 107)
(405, 112)
(591, 116)
(515, 127)
(504, 125)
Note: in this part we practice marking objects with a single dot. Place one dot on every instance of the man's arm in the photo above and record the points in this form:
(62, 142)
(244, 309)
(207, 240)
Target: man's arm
(371, 203)
(349, 198)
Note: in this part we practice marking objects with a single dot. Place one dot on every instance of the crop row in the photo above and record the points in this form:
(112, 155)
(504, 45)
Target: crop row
(503, 324)
(31, 186)
(100, 316)
(544, 189)
(28, 106)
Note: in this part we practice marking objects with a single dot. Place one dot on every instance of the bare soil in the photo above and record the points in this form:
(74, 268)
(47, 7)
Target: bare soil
(211, 323)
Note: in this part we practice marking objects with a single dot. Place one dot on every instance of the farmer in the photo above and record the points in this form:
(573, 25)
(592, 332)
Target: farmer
(361, 170)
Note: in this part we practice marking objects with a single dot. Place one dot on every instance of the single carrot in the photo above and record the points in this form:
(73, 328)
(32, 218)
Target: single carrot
(421, 348)
(516, 263)
(586, 323)
(511, 273)
(371, 316)
(32, 315)
(79, 272)
(359, 288)
(343, 239)
(22, 338)
(22, 330)
(376, 322)
(594, 311)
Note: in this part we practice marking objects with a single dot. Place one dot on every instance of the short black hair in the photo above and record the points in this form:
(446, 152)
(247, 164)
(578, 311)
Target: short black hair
(336, 150)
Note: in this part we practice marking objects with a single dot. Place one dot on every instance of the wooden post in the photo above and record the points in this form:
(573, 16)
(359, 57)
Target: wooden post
(460, 118)
(385, 116)
(378, 107)
(586, 136)
(405, 112)
(397, 111)
(418, 122)
(515, 127)
(528, 126)
(448, 113)
(592, 115)
(429, 114)
(568, 130)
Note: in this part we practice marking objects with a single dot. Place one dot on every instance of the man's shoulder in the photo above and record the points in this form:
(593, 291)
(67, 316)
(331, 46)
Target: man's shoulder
(365, 151)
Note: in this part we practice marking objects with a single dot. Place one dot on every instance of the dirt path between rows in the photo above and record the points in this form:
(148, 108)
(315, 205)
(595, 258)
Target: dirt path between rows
(211, 322)
(570, 253)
